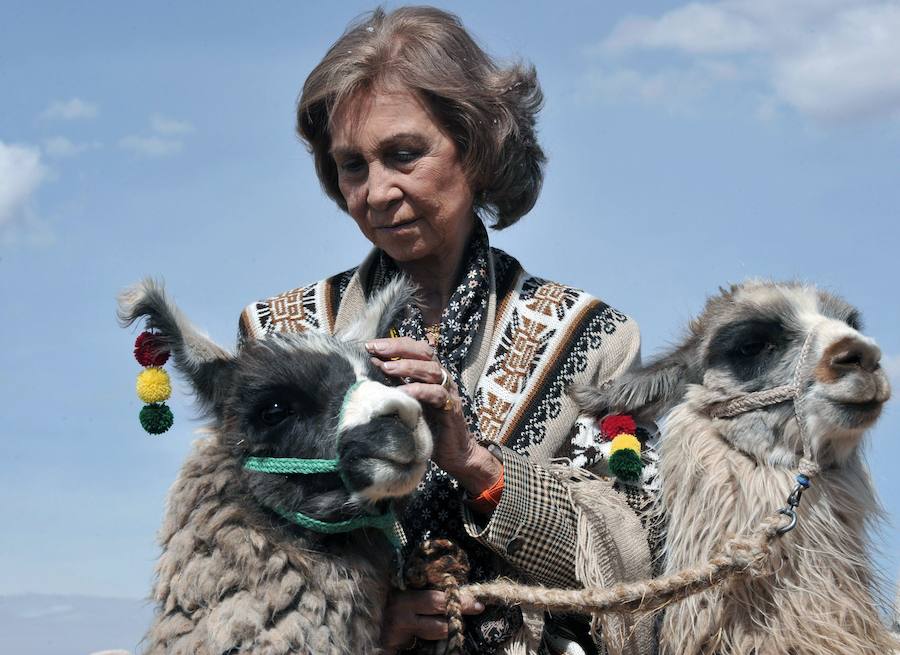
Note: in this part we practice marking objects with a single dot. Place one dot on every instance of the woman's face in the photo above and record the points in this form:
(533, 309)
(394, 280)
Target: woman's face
(400, 174)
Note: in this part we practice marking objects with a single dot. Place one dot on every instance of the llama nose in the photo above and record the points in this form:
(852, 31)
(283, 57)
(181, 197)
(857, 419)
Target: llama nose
(397, 404)
(854, 355)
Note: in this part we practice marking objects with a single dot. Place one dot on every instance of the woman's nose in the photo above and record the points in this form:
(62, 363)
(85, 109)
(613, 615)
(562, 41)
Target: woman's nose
(382, 190)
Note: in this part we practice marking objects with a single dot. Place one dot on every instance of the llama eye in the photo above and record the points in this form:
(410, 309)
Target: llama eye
(752, 348)
(275, 413)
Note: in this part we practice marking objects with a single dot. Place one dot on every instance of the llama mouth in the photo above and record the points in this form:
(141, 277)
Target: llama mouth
(391, 479)
(859, 413)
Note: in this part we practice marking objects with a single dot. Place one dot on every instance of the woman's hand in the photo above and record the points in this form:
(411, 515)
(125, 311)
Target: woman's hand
(419, 614)
(455, 450)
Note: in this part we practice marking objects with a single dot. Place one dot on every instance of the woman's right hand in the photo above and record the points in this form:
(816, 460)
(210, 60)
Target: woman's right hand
(418, 614)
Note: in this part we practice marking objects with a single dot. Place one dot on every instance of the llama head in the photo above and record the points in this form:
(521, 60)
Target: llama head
(749, 338)
(303, 396)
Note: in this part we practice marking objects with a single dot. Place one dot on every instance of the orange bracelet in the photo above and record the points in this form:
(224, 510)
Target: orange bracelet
(487, 501)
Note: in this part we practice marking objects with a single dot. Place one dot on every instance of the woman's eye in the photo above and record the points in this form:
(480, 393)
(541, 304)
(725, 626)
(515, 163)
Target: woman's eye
(351, 166)
(406, 156)
(275, 413)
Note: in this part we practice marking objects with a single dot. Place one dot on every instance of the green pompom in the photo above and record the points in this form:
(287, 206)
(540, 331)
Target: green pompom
(156, 418)
(626, 465)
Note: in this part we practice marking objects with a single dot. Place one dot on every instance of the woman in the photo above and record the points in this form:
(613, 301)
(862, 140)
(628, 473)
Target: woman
(417, 134)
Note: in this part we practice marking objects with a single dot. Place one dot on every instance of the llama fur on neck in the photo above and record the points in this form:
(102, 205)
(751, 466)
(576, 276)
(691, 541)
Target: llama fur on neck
(232, 579)
(818, 600)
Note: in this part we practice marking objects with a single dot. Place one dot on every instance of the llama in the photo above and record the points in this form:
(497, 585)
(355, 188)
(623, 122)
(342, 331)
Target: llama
(732, 442)
(274, 562)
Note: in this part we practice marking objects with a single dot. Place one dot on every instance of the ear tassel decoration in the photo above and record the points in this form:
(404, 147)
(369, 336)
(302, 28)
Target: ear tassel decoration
(625, 450)
(153, 385)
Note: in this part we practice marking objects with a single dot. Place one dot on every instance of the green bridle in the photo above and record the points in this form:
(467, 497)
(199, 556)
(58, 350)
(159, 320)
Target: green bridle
(386, 522)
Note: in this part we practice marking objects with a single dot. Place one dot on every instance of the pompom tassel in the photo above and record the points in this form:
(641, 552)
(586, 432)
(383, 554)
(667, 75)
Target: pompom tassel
(153, 385)
(149, 351)
(156, 418)
(626, 465)
(615, 424)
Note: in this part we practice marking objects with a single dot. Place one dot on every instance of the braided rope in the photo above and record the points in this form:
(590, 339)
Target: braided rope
(750, 401)
(455, 627)
(746, 555)
(285, 465)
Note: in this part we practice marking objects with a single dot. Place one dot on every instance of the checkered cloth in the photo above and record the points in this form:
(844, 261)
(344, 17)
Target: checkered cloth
(533, 527)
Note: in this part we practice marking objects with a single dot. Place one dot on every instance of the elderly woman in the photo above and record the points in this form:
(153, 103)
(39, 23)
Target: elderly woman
(421, 137)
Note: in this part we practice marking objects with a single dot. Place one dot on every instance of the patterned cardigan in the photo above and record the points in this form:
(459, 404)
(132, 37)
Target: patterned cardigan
(538, 337)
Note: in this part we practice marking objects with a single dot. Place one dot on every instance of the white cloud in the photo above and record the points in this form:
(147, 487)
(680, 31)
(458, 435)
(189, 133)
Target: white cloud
(695, 28)
(672, 88)
(165, 141)
(69, 110)
(831, 60)
(21, 173)
(150, 146)
(170, 126)
(60, 146)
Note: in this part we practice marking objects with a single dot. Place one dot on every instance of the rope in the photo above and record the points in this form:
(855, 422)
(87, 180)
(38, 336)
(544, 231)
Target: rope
(750, 401)
(285, 465)
(746, 555)
(455, 627)
(384, 522)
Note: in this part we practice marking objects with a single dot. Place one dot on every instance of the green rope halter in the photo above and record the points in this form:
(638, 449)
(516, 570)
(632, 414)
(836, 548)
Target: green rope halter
(386, 522)
(283, 465)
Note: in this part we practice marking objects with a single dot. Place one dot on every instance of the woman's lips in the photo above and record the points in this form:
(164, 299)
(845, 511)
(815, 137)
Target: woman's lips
(398, 226)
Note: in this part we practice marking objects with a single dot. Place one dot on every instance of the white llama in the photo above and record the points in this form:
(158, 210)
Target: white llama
(772, 378)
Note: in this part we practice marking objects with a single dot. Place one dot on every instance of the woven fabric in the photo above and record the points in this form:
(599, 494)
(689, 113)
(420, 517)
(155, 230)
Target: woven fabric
(533, 527)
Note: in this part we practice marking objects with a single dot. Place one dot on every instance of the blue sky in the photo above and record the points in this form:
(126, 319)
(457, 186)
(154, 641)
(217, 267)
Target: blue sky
(690, 146)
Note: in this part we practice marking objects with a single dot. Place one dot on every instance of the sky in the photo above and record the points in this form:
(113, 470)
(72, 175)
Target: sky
(690, 146)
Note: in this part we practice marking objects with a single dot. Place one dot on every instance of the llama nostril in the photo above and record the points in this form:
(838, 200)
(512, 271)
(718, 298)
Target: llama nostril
(847, 359)
(857, 356)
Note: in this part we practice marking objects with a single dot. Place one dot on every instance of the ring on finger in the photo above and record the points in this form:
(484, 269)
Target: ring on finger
(448, 405)
(445, 379)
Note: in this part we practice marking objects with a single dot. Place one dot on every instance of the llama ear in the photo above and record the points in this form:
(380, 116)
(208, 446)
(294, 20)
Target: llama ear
(205, 364)
(647, 392)
(384, 309)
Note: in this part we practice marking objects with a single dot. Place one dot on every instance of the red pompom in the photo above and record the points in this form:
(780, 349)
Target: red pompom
(149, 351)
(616, 424)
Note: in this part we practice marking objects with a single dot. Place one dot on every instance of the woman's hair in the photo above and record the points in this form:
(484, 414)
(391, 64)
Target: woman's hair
(489, 110)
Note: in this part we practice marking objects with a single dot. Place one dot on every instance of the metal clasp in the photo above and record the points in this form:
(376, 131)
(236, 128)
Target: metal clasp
(793, 501)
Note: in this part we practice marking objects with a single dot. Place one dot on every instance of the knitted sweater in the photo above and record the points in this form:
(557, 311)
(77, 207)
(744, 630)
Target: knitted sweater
(537, 338)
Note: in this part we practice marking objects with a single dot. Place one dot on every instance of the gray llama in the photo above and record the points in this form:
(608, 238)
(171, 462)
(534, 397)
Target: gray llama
(771, 378)
(272, 540)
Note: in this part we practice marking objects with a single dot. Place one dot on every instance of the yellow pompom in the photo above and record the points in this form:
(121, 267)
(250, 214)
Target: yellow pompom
(153, 385)
(623, 441)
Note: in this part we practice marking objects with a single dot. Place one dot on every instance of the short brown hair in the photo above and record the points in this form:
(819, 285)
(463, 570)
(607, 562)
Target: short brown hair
(488, 109)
